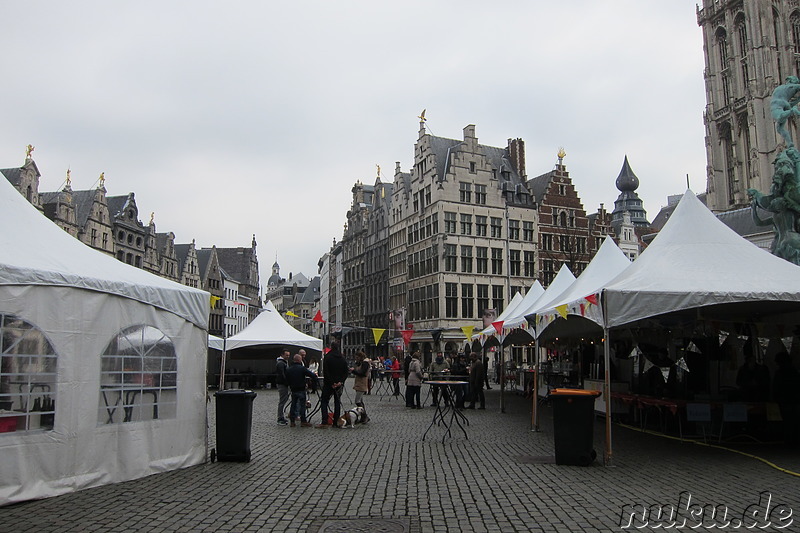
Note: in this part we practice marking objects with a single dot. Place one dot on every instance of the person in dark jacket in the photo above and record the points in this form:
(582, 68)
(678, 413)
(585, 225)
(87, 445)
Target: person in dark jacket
(296, 376)
(459, 368)
(280, 383)
(334, 374)
(477, 373)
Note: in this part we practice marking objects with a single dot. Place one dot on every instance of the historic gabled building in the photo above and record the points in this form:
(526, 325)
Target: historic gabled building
(188, 265)
(241, 264)
(59, 207)
(130, 235)
(353, 265)
(564, 234)
(211, 281)
(750, 48)
(26, 179)
(462, 238)
(168, 260)
(376, 267)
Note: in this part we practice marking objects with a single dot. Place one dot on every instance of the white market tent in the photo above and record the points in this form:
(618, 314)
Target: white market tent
(102, 365)
(564, 278)
(512, 305)
(267, 329)
(697, 268)
(581, 299)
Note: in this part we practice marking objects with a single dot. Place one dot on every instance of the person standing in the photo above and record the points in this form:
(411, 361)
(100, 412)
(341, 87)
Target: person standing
(296, 376)
(281, 365)
(361, 371)
(395, 367)
(414, 383)
(477, 374)
(437, 368)
(334, 374)
(459, 368)
(486, 372)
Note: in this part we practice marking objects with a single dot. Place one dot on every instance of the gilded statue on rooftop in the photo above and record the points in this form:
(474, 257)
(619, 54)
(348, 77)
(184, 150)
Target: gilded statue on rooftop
(783, 201)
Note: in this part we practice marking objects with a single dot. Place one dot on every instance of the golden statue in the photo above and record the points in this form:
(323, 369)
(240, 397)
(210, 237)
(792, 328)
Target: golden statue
(28, 151)
(379, 171)
(152, 216)
(422, 116)
(69, 178)
(102, 179)
(561, 153)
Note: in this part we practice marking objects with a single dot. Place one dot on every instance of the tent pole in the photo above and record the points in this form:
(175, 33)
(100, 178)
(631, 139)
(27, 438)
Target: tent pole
(502, 379)
(607, 395)
(222, 364)
(535, 408)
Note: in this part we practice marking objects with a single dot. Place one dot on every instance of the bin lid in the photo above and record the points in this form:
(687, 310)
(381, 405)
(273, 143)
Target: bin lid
(235, 392)
(575, 392)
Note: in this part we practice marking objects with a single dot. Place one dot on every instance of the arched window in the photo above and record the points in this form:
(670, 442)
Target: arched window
(27, 377)
(138, 377)
(563, 219)
(722, 48)
(741, 33)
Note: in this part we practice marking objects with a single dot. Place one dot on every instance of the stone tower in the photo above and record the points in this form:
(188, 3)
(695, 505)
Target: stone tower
(750, 48)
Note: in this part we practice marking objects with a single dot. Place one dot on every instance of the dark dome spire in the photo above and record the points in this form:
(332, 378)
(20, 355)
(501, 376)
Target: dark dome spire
(627, 180)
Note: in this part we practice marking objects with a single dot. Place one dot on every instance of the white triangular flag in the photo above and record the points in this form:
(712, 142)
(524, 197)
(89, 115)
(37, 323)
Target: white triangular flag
(682, 365)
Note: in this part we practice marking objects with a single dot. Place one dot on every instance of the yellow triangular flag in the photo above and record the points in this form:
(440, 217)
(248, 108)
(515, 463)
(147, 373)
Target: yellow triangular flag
(377, 333)
(468, 332)
(289, 313)
(214, 300)
(562, 310)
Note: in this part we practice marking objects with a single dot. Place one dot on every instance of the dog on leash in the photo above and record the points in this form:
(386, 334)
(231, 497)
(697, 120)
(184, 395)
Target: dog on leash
(351, 417)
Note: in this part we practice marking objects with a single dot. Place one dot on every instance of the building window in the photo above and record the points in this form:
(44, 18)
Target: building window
(529, 264)
(514, 262)
(497, 228)
(480, 225)
(513, 230)
(547, 272)
(28, 382)
(449, 222)
(467, 301)
(105, 240)
(94, 237)
(450, 257)
(480, 194)
(497, 298)
(138, 377)
(465, 192)
(527, 231)
(482, 261)
(451, 300)
(472, 168)
(562, 219)
(483, 298)
(562, 190)
(547, 242)
(466, 259)
(497, 261)
(466, 224)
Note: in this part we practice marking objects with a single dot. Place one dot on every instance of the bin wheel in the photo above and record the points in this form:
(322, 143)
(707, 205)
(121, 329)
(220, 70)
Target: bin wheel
(213, 455)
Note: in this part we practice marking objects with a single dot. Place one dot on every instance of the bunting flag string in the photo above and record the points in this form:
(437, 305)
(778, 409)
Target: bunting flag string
(214, 300)
(693, 348)
(377, 333)
(682, 365)
(318, 317)
(562, 310)
(592, 299)
(648, 365)
(498, 326)
(407, 334)
(665, 373)
(583, 310)
(468, 331)
(289, 313)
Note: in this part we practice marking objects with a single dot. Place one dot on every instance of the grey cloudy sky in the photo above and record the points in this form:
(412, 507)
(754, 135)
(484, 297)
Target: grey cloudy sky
(233, 118)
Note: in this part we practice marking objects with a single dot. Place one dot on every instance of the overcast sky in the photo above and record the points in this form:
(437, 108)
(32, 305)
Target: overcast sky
(239, 118)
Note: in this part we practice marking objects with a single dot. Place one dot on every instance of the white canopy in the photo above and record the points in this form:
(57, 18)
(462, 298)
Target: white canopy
(103, 365)
(607, 264)
(698, 261)
(512, 305)
(268, 328)
(560, 283)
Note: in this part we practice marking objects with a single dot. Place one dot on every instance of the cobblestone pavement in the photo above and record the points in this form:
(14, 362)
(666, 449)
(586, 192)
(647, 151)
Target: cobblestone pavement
(502, 478)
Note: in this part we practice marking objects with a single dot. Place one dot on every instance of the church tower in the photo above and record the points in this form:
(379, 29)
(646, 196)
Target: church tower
(750, 48)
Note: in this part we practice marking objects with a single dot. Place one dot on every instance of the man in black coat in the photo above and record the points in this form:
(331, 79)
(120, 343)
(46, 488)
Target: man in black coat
(334, 374)
(296, 376)
(477, 373)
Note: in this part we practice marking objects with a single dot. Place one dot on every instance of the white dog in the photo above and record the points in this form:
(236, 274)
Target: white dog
(351, 417)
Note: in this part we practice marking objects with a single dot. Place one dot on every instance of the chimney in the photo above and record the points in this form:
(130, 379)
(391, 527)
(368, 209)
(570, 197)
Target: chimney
(516, 151)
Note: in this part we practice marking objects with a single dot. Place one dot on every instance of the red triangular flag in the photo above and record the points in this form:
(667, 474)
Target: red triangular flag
(318, 317)
(592, 299)
(583, 310)
(407, 334)
(498, 326)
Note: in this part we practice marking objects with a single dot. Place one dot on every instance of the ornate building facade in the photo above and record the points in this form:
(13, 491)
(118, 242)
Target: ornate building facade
(750, 48)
